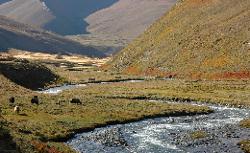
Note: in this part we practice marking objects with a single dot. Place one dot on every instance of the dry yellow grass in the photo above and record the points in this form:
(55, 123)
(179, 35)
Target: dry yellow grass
(197, 39)
(234, 93)
(56, 58)
(55, 119)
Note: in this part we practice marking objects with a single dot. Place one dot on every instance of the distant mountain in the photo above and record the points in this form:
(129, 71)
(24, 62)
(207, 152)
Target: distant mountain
(196, 39)
(122, 22)
(32, 12)
(25, 37)
(65, 17)
(93, 21)
(127, 18)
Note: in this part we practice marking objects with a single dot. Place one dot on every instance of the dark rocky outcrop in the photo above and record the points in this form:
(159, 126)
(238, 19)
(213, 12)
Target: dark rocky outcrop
(27, 74)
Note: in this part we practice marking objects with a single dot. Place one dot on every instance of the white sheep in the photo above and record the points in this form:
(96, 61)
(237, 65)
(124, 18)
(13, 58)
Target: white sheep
(17, 109)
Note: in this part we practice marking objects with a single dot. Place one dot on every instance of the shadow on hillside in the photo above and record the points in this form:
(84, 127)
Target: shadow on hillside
(70, 14)
(7, 145)
(46, 43)
(27, 74)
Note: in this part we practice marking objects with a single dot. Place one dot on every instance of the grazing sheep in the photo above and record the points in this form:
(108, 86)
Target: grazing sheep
(35, 100)
(76, 101)
(12, 100)
(17, 109)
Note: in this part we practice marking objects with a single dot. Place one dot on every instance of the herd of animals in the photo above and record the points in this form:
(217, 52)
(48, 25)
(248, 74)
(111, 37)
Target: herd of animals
(35, 101)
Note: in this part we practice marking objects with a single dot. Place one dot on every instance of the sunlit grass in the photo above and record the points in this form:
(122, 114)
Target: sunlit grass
(55, 119)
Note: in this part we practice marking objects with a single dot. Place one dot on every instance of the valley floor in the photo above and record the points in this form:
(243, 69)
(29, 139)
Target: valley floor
(44, 127)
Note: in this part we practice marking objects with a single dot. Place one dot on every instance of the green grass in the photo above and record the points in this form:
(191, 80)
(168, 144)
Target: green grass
(43, 127)
(234, 93)
(198, 135)
(245, 123)
(84, 75)
(245, 146)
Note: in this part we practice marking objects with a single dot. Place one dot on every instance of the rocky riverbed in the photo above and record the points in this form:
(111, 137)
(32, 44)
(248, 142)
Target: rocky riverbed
(220, 129)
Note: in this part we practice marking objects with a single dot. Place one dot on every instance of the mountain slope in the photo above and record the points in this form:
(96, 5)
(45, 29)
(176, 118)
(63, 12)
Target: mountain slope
(127, 18)
(60, 16)
(86, 16)
(27, 11)
(24, 37)
(107, 25)
(116, 26)
(196, 39)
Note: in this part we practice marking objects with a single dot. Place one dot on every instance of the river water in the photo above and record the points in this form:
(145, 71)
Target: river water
(59, 89)
(165, 134)
(169, 134)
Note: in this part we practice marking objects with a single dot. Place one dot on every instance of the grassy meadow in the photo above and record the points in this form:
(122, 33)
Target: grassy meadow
(234, 93)
(44, 127)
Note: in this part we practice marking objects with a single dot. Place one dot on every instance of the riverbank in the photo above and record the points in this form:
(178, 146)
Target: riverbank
(44, 126)
(215, 132)
(235, 93)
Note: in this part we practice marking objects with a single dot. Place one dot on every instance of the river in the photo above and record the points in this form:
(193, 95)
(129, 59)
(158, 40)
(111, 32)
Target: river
(166, 134)
(169, 134)
(59, 89)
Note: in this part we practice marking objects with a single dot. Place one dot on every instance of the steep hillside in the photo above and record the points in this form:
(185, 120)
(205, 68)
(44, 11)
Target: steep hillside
(24, 37)
(196, 39)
